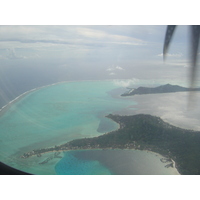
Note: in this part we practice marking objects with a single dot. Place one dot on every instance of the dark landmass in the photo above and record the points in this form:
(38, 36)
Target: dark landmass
(160, 89)
(143, 132)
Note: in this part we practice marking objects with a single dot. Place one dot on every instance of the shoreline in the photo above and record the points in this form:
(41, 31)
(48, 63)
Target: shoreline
(4, 108)
(113, 80)
(167, 158)
(97, 143)
(66, 147)
(168, 161)
(10, 103)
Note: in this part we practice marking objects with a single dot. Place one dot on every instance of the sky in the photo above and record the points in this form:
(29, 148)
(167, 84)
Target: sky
(93, 52)
(36, 55)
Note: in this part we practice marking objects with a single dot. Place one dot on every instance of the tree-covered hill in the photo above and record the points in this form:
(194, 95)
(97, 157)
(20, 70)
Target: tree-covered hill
(146, 132)
(143, 132)
(160, 89)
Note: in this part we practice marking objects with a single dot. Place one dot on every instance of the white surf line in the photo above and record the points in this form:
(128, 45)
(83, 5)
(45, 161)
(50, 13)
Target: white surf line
(23, 94)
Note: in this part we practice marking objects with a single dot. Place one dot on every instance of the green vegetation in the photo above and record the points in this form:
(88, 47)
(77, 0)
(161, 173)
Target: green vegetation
(160, 89)
(144, 132)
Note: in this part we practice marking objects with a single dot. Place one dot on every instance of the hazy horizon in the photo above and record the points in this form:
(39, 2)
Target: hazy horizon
(34, 56)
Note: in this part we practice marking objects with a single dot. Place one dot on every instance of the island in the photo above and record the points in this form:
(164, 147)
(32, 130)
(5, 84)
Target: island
(143, 132)
(168, 88)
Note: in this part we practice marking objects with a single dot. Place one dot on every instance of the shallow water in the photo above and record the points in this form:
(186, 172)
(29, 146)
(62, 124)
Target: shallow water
(56, 114)
(59, 113)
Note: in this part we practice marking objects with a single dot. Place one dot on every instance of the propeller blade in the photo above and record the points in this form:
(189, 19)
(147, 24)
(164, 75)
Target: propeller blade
(168, 37)
(194, 51)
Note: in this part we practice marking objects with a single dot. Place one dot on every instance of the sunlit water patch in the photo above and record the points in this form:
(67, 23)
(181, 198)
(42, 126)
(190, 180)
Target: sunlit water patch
(116, 162)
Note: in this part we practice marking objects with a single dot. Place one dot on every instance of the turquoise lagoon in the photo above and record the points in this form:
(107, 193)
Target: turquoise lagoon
(56, 114)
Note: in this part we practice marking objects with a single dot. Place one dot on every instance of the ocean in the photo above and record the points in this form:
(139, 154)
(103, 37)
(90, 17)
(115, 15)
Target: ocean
(62, 112)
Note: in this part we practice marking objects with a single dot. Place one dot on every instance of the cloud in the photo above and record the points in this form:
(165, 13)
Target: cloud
(124, 45)
(106, 37)
(127, 82)
(176, 55)
(184, 64)
(110, 69)
(119, 68)
(11, 54)
(112, 74)
(114, 68)
(77, 36)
